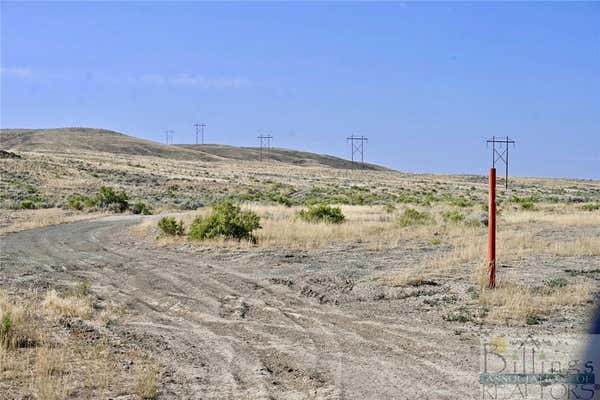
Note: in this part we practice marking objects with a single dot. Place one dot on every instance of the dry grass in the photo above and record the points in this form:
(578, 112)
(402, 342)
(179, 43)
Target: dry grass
(51, 379)
(18, 328)
(56, 364)
(14, 221)
(67, 306)
(281, 228)
(146, 382)
(510, 302)
(376, 229)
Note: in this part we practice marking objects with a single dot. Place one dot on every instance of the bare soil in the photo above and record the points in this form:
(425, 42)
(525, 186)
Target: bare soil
(256, 324)
(271, 324)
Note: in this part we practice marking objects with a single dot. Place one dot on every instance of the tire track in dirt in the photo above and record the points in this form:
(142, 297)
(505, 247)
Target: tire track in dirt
(232, 334)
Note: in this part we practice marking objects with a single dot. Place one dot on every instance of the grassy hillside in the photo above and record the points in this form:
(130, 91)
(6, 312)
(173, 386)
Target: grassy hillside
(77, 140)
(286, 156)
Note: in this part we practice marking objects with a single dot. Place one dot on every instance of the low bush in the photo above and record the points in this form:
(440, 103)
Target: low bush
(170, 226)
(28, 204)
(556, 283)
(453, 216)
(413, 217)
(6, 324)
(322, 213)
(460, 201)
(226, 220)
(78, 201)
(389, 208)
(140, 208)
(527, 205)
(109, 199)
(591, 207)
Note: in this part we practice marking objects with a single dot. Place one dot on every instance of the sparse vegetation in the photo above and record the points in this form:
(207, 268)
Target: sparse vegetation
(140, 208)
(515, 303)
(107, 198)
(40, 359)
(68, 305)
(226, 220)
(453, 216)
(322, 213)
(591, 207)
(28, 204)
(411, 217)
(78, 201)
(146, 382)
(170, 227)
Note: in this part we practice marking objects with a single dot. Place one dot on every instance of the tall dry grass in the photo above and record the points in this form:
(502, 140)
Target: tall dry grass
(41, 360)
(14, 221)
(512, 302)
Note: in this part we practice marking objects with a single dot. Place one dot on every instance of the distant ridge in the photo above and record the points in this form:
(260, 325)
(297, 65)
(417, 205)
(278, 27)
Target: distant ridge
(73, 140)
(287, 156)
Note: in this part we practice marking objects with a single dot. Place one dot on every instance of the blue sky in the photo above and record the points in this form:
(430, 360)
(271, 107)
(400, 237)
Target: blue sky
(426, 82)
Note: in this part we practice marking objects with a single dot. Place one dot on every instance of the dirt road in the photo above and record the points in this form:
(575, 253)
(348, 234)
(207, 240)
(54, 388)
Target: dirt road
(255, 324)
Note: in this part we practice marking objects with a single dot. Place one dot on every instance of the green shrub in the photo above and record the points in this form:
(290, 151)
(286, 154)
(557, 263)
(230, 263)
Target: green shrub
(169, 226)
(414, 217)
(527, 205)
(322, 213)
(140, 208)
(5, 327)
(556, 283)
(27, 204)
(107, 198)
(453, 216)
(77, 201)
(226, 220)
(591, 207)
(460, 201)
(389, 208)
(279, 198)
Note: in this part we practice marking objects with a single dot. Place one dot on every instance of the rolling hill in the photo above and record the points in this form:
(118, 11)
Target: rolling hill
(76, 140)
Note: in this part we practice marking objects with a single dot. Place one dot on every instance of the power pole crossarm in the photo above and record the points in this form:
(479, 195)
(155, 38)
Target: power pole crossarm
(264, 149)
(501, 154)
(357, 146)
(200, 128)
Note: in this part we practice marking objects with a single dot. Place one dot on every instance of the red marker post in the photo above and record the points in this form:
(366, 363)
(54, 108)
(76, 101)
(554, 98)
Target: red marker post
(492, 230)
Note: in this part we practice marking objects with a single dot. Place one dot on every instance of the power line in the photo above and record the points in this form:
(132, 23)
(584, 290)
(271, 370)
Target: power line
(264, 149)
(498, 155)
(357, 146)
(200, 127)
(169, 136)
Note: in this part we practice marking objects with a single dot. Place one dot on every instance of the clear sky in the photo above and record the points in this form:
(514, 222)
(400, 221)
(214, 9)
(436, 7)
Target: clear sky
(426, 82)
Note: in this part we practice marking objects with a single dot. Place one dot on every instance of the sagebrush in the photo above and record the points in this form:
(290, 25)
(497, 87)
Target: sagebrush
(322, 213)
(226, 220)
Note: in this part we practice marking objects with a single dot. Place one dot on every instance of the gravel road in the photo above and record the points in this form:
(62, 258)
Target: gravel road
(254, 324)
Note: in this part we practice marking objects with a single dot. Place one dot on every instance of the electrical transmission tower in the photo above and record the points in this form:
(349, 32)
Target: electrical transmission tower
(264, 149)
(200, 127)
(169, 136)
(357, 146)
(501, 153)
